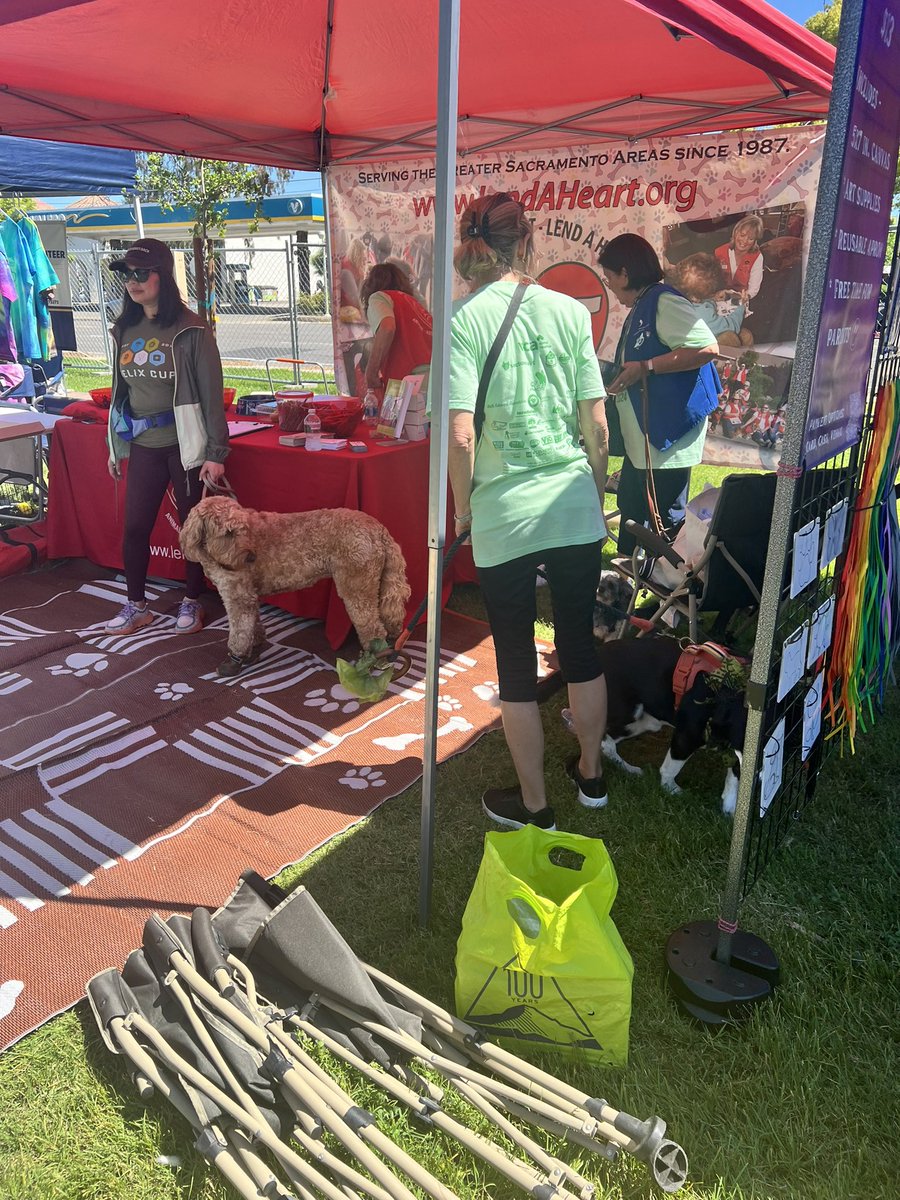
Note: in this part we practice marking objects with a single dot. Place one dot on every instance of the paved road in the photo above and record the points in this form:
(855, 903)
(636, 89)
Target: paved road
(241, 337)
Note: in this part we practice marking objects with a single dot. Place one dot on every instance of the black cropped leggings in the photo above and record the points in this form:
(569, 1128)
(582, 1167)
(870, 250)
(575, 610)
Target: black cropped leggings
(150, 471)
(509, 597)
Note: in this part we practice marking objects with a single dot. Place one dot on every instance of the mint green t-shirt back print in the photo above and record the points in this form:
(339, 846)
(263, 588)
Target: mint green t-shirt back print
(533, 486)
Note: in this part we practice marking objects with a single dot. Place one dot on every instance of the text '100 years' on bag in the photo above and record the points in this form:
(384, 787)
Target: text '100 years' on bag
(539, 962)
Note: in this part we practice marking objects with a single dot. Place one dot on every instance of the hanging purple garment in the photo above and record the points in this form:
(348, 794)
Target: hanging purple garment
(7, 296)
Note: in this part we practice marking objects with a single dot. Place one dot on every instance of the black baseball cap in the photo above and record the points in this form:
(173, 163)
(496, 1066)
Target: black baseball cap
(146, 252)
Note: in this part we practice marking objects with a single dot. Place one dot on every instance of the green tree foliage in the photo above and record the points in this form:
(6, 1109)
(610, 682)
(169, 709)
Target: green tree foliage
(204, 186)
(826, 22)
(14, 204)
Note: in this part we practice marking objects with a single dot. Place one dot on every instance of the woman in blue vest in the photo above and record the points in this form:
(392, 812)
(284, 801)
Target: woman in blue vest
(666, 386)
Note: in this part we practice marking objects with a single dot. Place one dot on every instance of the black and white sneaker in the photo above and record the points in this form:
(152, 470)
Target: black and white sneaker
(504, 805)
(591, 792)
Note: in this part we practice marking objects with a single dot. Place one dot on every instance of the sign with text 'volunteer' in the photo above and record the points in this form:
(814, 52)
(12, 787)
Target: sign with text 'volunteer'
(856, 260)
(728, 214)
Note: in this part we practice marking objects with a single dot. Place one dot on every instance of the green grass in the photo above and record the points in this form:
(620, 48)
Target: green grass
(83, 373)
(796, 1105)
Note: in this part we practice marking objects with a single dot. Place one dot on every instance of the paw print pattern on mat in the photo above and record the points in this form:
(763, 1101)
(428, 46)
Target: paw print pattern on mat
(10, 991)
(362, 777)
(331, 699)
(80, 664)
(173, 691)
(488, 691)
(448, 703)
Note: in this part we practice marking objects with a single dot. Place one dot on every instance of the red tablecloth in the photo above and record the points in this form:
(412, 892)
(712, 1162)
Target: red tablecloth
(390, 483)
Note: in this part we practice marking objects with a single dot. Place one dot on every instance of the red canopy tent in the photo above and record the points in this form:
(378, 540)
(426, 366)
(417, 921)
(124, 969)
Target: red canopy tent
(308, 83)
(260, 83)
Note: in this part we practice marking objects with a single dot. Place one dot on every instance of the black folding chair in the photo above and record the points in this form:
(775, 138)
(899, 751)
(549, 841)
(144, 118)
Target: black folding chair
(728, 575)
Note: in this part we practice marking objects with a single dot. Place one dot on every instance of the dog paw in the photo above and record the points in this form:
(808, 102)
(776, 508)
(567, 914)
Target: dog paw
(80, 665)
(448, 703)
(173, 691)
(362, 777)
(332, 699)
(488, 691)
(671, 787)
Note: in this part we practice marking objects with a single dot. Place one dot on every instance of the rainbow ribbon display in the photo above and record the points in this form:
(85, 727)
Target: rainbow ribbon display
(866, 637)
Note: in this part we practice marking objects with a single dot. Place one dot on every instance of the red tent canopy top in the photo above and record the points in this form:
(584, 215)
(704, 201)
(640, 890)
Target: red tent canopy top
(261, 82)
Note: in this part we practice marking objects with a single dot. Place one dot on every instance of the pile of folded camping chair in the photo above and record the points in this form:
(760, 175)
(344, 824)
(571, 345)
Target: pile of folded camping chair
(224, 1015)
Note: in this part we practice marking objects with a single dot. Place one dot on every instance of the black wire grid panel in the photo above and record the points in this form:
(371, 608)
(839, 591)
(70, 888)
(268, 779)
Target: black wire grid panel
(774, 811)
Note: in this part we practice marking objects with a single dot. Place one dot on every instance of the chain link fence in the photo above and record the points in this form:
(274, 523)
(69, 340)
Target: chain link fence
(270, 300)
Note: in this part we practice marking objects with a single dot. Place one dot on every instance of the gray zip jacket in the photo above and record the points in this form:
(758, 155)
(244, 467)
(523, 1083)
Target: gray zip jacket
(199, 409)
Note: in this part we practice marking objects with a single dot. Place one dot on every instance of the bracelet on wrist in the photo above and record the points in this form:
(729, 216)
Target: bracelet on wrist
(462, 518)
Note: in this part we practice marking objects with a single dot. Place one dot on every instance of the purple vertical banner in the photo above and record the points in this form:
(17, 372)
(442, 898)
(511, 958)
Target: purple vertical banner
(856, 260)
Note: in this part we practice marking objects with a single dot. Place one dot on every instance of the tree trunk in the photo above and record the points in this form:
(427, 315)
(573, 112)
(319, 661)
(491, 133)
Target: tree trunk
(200, 277)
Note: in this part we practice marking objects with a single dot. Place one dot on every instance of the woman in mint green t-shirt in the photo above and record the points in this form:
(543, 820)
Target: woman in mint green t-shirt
(529, 493)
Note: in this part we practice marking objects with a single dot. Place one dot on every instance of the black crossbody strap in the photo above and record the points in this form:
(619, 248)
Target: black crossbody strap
(493, 354)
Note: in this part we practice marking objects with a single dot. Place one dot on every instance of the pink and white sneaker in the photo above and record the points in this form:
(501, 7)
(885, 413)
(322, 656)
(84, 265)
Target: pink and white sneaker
(190, 617)
(131, 617)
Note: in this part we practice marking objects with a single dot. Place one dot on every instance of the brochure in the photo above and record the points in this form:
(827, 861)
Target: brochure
(397, 395)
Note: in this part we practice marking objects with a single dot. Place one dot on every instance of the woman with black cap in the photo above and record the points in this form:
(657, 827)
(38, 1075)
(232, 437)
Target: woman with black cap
(167, 418)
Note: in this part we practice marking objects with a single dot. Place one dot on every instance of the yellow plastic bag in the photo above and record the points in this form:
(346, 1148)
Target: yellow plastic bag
(539, 962)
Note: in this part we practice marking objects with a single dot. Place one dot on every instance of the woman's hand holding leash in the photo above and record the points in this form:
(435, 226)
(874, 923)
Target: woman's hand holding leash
(114, 469)
(462, 524)
(631, 373)
(211, 472)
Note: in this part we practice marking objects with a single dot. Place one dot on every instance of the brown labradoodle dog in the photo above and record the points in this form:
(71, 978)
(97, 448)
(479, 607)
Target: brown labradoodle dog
(247, 554)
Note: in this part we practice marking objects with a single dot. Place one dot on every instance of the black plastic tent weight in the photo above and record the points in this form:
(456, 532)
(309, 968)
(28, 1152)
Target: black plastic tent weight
(718, 993)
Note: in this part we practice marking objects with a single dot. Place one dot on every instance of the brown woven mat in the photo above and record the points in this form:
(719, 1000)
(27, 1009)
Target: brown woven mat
(133, 780)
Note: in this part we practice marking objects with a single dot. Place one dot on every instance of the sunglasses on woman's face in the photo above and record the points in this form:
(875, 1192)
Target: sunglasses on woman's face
(139, 274)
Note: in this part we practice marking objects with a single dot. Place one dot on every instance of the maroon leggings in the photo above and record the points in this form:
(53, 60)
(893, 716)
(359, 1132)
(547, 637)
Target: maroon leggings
(150, 471)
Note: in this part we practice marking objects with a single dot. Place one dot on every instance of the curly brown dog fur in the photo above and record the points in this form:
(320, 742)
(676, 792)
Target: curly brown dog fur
(247, 554)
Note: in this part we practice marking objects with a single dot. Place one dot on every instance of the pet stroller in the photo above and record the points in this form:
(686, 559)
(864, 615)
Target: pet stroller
(728, 575)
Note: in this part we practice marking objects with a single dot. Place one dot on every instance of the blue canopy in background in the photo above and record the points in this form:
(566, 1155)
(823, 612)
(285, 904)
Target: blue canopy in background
(30, 167)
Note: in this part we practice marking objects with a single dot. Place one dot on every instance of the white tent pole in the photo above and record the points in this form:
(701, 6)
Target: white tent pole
(138, 215)
(445, 190)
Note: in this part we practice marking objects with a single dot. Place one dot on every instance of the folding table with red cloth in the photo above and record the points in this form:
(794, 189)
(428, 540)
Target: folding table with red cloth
(389, 483)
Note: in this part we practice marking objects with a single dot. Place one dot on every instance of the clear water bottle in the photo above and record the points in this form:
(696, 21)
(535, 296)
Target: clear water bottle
(370, 409)
(312, 427)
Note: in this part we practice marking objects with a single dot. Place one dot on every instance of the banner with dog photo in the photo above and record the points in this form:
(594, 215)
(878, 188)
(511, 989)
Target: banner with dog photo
(729, 214)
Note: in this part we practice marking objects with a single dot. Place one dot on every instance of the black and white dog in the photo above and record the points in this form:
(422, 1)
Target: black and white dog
(639, 682)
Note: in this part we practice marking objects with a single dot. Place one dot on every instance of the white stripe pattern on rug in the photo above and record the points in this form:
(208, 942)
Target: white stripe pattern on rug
(64, 742)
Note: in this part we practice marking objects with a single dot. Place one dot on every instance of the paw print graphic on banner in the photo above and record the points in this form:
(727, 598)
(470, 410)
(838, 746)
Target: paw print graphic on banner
(332, 699)
(80, 665)
(489, 691)
(173, 691)
(362, 777)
